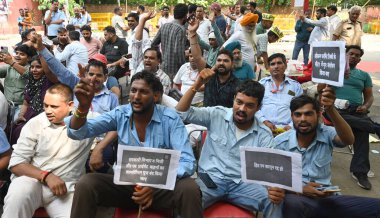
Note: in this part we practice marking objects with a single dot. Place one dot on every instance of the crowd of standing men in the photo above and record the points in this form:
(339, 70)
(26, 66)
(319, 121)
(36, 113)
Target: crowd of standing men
(65, 117)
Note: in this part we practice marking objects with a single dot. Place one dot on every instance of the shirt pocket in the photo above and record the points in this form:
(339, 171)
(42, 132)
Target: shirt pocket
(322, 166)
(218, 140)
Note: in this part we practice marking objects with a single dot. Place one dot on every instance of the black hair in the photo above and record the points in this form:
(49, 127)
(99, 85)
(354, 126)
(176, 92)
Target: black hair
(180, 11)
(70, 27)
(243, 8)
(252, 89)
(74, 35)
(141, 7)
(85, 27)
(271, 33)
(277, 55)
(110, 29)
(192, 8)
(153, 81)
(117, 9)
(253, 5)
(333, 8)
(226, 52)
(349, 47)
(61, 30)
(190, 51)
(165, 7)
(84, 7)
(53, 1)
(27, 50)
(25, 33)
(97, 63)
(158, 53)
(134, 16)
(302, 100)
(36, 58)
(322, 11)
(63, 90)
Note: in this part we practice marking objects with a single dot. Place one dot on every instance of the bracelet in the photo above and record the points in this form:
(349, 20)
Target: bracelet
(193, 89)
(84, 112)
(13, 63)
(44, 175)
(79, 116)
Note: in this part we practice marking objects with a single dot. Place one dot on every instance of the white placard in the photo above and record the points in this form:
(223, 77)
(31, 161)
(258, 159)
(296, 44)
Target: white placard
(143, 166)
(329, 62)
(271, 167)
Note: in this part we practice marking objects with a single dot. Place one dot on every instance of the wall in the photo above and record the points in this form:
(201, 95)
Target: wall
(8, 22)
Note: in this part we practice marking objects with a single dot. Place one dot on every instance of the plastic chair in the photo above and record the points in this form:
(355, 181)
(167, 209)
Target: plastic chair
(224, 209)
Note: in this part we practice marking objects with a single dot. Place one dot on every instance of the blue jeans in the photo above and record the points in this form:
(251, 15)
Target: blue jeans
(250, 196)
(332, 206)
(298, 45)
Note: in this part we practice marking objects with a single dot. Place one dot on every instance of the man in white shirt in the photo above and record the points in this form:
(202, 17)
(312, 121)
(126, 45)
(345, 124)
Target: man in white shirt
(334, 19)
(118, 23)
(165, 17)
(205, 27)
(75, 53)
(45, 162)
(86, 15)
(321, 29)
(133, 21)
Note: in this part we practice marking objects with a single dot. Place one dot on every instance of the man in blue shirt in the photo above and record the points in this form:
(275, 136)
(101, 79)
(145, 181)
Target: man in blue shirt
(242, 70)
(54, 19)
(227, 130)
(279, 90)
(140, 123)
(78, 20)
(315, 143)
(303, 31)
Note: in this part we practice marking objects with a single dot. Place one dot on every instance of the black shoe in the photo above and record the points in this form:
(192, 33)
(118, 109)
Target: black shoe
(363, 181)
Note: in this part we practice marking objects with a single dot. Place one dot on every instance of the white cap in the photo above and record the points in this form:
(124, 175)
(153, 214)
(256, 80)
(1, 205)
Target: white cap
(211, 35)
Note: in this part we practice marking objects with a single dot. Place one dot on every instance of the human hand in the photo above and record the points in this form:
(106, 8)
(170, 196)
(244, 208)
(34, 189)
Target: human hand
(287, 127)
(37, 42)
(81, 71)
(143, 196)
(84, 92)
(147, 16)
(328, 97)
(56, 185)
(20, 120)
(270, 125)
(193, 25)
(276, 195)
(309, 29)
(362, 109)
(96, 159)
(311, 190)
(6, 58)
(203, 77)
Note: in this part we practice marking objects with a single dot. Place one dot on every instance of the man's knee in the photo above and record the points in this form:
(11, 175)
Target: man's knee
(86, 183)
(186, 188)
(292, 204)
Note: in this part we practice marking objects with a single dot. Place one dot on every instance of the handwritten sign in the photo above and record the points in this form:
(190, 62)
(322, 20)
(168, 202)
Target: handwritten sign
(329, 62)
(151, 167)
(271, 167)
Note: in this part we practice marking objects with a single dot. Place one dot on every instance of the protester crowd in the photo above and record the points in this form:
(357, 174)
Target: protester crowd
(62, 117)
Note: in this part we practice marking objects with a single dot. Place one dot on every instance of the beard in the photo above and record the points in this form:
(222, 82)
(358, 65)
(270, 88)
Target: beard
(238, 63)
(311, 130)
(222, 70)
(250, 37)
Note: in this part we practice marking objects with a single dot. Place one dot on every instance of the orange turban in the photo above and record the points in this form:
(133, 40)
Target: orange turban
(249, 18)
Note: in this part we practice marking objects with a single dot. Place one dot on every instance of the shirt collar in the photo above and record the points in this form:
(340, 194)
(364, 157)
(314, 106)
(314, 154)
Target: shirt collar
(155, 117)
(230, 119)
(104, 91)
(293, 142)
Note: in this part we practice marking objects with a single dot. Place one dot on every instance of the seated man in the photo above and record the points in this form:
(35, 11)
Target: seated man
(241, 70)
(45, 162)
(103, 101)
(229, 129)
(114, 48)
(279, 90)
(140, 123)
(315, 142)
(357, 90)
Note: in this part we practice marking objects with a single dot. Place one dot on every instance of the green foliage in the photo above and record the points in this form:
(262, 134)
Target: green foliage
(46, 4)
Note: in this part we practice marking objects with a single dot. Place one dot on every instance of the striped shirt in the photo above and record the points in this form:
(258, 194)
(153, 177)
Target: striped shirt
(172, 37)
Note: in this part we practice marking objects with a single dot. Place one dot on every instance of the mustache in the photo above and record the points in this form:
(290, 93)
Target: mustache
(241, 113)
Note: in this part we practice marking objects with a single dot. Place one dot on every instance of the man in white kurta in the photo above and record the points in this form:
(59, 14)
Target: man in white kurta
(45, 162)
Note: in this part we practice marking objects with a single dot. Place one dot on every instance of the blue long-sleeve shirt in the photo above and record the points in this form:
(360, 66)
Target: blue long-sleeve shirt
(303, 34)
(165, 130)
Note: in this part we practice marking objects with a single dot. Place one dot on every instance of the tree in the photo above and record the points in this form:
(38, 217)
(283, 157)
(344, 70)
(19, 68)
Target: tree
(46, 4)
